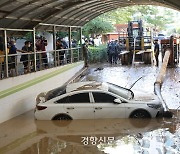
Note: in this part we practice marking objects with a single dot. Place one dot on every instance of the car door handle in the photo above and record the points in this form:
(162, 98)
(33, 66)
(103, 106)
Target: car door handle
(70, 108)
(98, 108)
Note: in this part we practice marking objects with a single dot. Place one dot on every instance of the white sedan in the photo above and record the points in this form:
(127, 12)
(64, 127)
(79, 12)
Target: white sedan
(95, 100)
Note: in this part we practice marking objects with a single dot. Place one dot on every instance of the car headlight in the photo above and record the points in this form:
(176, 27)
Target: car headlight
(154, 106)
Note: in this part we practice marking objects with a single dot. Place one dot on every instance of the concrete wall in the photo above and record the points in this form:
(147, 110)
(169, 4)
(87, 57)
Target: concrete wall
(18, 94)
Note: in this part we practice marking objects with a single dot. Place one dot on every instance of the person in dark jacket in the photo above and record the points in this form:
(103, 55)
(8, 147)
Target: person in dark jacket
(111, 52)
(24, 58)
(44, 54)
(85, 53)
(41, 44)
(117, 51)
(156, 51)
(60, 46)
(12, 51)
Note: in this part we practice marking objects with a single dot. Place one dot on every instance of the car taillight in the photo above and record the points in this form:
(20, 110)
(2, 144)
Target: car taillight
(41, 107)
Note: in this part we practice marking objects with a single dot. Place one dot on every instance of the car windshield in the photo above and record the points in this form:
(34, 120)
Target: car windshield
(121, 91)
(55, 92)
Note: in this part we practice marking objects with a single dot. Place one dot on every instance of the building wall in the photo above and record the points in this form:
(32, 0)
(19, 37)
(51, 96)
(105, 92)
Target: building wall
(18, 94)
(113, 37)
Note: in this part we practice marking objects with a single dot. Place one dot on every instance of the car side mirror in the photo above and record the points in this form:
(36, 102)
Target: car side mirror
(117, 101)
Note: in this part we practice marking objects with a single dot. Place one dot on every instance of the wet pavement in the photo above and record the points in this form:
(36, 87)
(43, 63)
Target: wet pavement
(25, 135)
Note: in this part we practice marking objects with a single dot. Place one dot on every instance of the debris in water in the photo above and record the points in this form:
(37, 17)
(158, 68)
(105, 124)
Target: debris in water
(168, 114)
(99, 69)
(139, 135)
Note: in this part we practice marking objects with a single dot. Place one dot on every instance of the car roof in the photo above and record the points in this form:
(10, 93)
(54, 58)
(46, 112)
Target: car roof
(81, 91)
(88, 85)
(105, 86)
(92, 86)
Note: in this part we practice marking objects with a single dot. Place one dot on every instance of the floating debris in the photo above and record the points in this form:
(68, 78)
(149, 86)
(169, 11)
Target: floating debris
(139, 135)
(99, 69)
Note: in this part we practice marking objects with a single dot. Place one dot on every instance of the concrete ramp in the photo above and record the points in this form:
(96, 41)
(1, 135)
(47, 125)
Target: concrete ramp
(18, 94)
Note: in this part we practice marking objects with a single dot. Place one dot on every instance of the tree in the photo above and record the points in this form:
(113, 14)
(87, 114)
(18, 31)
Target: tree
(97, 26)
(153, 16)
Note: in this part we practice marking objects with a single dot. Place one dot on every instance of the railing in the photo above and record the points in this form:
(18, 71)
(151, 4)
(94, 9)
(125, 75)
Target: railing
(37, 61)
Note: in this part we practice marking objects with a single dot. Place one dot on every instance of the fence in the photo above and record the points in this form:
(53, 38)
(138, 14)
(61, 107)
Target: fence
(10, 65)
(37, 61)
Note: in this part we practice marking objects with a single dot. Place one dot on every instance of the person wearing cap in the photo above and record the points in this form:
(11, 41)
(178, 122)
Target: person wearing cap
(156, 51)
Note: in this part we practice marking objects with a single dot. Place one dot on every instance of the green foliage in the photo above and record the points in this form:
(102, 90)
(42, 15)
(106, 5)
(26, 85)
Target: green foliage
(62, 34)
(97, 54)
(152, 16)
(75, 35)
(121, 15)
(29, 36)
(156, 18)
(97, 26)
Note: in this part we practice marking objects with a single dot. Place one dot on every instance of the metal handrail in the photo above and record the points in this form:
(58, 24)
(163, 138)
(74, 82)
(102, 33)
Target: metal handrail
(5, 70)
(47, 51)
(38, 61)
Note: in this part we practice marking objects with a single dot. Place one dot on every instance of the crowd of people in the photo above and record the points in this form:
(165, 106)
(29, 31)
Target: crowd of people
(27, 54)
(114, 48)
(92, 41)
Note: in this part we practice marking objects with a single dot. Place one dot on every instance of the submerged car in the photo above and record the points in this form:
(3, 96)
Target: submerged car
(95, 100)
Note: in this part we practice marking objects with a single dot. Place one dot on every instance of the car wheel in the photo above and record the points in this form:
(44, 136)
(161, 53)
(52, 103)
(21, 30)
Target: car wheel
(62, 117)
(140, 114)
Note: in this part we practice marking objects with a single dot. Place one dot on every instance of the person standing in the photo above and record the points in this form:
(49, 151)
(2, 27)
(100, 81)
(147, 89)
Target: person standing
(111, 52)
(41, 44)
(117, 51)
(2, 54)
(85, 53)
(43, 49)
(60, 46)
(156, 51)
(12, 59)
(24, 58)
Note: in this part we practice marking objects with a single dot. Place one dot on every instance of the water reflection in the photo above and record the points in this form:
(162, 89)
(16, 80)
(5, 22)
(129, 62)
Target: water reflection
(160, 141)
(127, 136)
(29, 136)
(46, 145)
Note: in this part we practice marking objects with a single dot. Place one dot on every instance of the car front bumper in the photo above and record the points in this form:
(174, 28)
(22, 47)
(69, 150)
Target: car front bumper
(160, 113)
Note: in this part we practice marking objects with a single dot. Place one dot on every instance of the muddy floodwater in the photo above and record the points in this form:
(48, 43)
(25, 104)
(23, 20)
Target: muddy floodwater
(25, 135)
